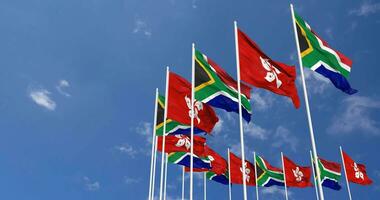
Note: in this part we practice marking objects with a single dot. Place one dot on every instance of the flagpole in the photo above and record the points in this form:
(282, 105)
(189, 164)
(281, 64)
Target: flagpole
(204, 186)
(166, 174)
(154, 167)
(283, 168)
(229, 175)
(192, 119)
(164, 133)
(240, 111)
(151, 185)
(257, 184)
(315, 180)
(307, 105)
(345, 173)
(183, 182)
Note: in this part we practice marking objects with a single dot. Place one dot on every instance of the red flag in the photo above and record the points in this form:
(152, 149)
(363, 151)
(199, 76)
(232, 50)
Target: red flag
(179, 105)
(236, 171)
(182, 143)
(356, 173)
(218, 163)
(257, 69)
(296, 176)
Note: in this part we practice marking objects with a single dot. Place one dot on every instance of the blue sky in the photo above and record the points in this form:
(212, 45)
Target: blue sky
(78, 78)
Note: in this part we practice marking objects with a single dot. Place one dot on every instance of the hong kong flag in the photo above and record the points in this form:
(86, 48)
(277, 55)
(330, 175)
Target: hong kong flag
(257, 69)
(218, 163)
(296, 176)
(182, 143)
(179, 105)
(237, 171)
(355, 172)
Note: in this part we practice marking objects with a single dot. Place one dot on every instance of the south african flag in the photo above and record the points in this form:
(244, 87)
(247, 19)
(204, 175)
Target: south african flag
(267, 175)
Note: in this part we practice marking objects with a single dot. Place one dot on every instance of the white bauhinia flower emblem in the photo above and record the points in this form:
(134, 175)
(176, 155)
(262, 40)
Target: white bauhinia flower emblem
(247, 171)
(197, 107)
(272, 72)
(183, 140)
(298, 174)
(358, 173)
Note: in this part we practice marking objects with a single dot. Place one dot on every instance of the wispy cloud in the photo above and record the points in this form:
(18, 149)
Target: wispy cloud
(256, 131)
(130, 180)
(91, 185)
(142, 27)
(194, 4)
(356, 115)
(41, 97)
(127, 149)
(262, 100)
(62, 85)
(366, 8)
(145, 129)
(329, 32)
(272, 191)
(317, 84)
(218, 127)
(283, 137)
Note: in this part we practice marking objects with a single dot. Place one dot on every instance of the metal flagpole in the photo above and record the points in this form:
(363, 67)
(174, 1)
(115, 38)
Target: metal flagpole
(192, 119)
(151, 185)
(283, 168)
(164, 133)
(345, 173)
(204, 187)
(154, 167)
(229, 175)
(166, 174)
(257, 184)
(240, 111)
(183, 183)
(307, 104)
(315, 180)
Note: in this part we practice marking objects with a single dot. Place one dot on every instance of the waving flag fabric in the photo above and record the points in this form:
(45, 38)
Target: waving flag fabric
(296, 176)
(222, 178)
(330, 174)
(355, 172)
(182, 143)
(268, 175)
(179, 108)
(257, 69)
(172, 127)
(218, 163)
(217, 88)
(317, 55)
(237, 171)
(183, 158)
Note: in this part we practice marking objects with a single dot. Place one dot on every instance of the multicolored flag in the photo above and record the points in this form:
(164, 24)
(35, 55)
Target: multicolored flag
(268, 175)
(183, 158)
(258, 69)
(237, 171)
(217, 88)
(318, 56)
(179, 108)
(296, 176)
(172, 127)
(218, 163)
(355, 172)
(222, 178)
(330, 174)
(182, 143)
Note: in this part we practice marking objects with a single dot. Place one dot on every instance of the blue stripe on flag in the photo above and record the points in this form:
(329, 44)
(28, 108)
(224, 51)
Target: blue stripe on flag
(273, 182)
(337, 79)
(331, 184)
(221, 179)
(198, 163)
(229, 105)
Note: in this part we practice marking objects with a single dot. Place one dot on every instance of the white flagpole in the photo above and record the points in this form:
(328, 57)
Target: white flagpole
(315, 155)
(154, 167)
(240, 111)
(166, 174)
(164, 133)
(283, 168)
(257, 185)
(192, 119)
(183, 183)
(345, 173)
(315, 180)
(204, 186)
(151, 185)
(229, 175)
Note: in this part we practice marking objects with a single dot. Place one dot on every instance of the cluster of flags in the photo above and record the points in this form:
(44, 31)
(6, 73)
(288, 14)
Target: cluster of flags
(188, 108)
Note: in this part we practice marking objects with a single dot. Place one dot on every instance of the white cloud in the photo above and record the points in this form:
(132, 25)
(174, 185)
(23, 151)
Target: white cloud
(129, 180)
(256, 131)
(127, 149)
(329, 32)
(218, 127)
(261, 102)
(283, 137)
(274, 191)
(62, 84)
(145, 129)
(194, 4)
(366, 8)
(316, 83)
(41, 97)
(91, 185)
(356, 115)
(141, 27)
